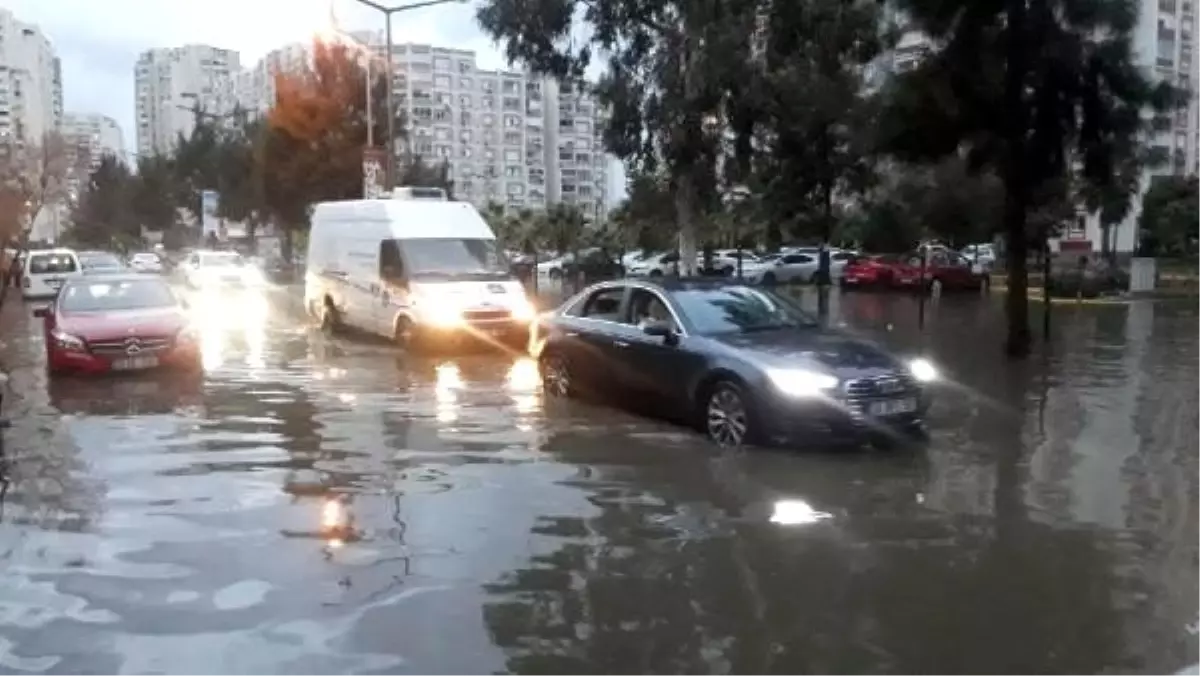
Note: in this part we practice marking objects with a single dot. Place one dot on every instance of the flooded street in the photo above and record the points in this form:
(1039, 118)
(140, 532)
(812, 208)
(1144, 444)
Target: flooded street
(327, 506)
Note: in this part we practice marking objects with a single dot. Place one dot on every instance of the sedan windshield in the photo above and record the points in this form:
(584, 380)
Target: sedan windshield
(739, 309)
(452, 257)
(112, 296)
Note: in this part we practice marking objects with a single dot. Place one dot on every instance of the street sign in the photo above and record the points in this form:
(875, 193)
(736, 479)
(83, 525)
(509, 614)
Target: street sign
(374, 166)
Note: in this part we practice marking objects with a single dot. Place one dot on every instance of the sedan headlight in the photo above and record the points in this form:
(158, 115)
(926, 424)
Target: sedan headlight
(802, 383)
(923, 370)
(67, 341)
(188, 334)
(522, 310)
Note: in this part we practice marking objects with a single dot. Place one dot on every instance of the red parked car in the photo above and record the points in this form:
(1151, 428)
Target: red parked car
(126, 322)
(871, 271)
(944, 271)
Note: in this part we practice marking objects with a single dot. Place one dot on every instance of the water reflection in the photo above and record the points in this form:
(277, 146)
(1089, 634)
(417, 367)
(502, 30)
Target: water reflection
(222, 318)
(449, 382)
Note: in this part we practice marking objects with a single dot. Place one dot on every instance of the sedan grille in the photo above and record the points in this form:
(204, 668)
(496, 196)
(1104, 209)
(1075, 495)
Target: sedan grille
(890, 385)
(132, 345)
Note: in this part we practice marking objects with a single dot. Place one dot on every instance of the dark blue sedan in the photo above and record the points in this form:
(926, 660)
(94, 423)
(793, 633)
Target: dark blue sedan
(744, 364)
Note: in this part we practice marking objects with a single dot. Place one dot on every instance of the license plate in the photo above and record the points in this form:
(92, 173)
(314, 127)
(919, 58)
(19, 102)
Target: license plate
(135, 363)
(892, 407)
(54, 283)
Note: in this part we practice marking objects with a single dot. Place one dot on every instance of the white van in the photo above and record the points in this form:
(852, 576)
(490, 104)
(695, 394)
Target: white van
(411, 268)
(46, 270)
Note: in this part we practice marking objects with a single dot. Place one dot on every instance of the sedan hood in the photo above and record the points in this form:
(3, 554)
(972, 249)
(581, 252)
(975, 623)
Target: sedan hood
(813, 348)
(110, 325)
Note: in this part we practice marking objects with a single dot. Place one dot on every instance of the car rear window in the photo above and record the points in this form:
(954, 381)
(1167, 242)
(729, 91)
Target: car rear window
(52, 264)
(116, 295)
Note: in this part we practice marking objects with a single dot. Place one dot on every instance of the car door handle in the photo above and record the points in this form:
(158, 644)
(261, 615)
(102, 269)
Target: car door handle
(620, 343)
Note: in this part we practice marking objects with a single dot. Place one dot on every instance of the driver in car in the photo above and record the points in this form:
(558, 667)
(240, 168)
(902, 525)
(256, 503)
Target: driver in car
(653, 312)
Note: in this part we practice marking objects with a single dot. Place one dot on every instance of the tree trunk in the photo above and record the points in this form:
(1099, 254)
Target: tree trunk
(685, 207)
(1016, 191)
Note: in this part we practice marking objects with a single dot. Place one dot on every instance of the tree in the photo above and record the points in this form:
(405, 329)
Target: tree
(197, 161)
(315, 134)
(240, 179)
(1170, 219)
(1030, 88)
(809, 112)
(152, 199)
(102, 215)
(32, 176)
(639, 220)
(670, 68)
(416, 172)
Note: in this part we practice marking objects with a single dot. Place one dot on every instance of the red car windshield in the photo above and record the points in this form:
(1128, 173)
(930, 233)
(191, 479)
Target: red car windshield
(110, 296)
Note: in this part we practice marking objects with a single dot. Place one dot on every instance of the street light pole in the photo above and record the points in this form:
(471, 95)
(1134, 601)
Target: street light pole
(391, 95)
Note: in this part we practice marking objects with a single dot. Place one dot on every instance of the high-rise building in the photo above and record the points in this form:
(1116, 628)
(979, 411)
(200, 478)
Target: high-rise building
(1165, 43)
(88, 137)
(171, 83)
(31, 99)
(509, 137)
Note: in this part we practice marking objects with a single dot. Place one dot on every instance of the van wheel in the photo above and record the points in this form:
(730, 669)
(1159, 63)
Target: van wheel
(330, 321)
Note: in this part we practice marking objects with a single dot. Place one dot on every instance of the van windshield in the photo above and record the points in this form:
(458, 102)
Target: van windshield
(453, 258)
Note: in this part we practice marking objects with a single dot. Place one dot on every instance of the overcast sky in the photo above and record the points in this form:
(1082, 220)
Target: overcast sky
(99, 40)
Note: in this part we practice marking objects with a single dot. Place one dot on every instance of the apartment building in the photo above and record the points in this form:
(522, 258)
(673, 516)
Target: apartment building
(1165, 41)
(170, 83)
(88, 138)
(31, 97)
(509, 137)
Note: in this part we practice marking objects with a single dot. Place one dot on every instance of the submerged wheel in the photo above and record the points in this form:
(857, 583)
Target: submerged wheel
(330, 321)
(728, 418)
(556, 376)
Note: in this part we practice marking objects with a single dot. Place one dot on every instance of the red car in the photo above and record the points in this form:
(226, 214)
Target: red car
(944, 271)
(121, 323)
(870, 271)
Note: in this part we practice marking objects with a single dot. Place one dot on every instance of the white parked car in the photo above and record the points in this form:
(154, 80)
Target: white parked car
(800, 265)
(45, 271)
(220, 269)
(981, 256)
(654, 265)
(146, 262)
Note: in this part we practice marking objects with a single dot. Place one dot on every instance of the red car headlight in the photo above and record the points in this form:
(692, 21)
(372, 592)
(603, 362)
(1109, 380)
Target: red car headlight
(66, 341)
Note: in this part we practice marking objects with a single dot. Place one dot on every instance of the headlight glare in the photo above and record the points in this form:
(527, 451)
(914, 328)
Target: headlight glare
(802, 383)
(923, 370)
(67, 341)
(523, 310)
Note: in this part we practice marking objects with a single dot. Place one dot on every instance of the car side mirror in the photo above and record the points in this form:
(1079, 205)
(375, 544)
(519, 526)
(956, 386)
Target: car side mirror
(42, 312)
(661, 329)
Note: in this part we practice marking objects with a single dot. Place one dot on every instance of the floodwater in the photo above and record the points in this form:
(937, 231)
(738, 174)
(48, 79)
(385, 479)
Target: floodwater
(318, 506)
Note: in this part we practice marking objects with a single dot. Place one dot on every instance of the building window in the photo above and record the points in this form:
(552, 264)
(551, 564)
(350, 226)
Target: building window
(465, 82)
(464, 100)
(441, 81)
(441, 64)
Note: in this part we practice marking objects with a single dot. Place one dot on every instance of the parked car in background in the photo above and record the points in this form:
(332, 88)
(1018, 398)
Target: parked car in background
(146, 262)
(743, 364)
(871, 271)
(786, 269)
(217, 270)
(655, 265)
(46, 270)
(945, 270)
(100, 262)
(121, 322)
(982, 256)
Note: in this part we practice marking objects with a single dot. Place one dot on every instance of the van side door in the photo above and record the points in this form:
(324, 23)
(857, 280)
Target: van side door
(393, 297)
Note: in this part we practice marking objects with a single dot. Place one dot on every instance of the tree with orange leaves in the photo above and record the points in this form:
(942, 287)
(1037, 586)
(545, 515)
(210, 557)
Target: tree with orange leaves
(315, 134)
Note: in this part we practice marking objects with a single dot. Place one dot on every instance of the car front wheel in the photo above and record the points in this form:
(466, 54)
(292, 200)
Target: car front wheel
(728, 416)
(556, 376)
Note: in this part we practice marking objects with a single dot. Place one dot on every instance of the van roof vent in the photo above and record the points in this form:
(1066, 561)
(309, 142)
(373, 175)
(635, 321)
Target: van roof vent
(419, 193)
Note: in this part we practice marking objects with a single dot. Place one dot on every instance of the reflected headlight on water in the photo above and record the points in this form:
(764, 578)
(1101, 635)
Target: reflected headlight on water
(523, 375)
(796, 513)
